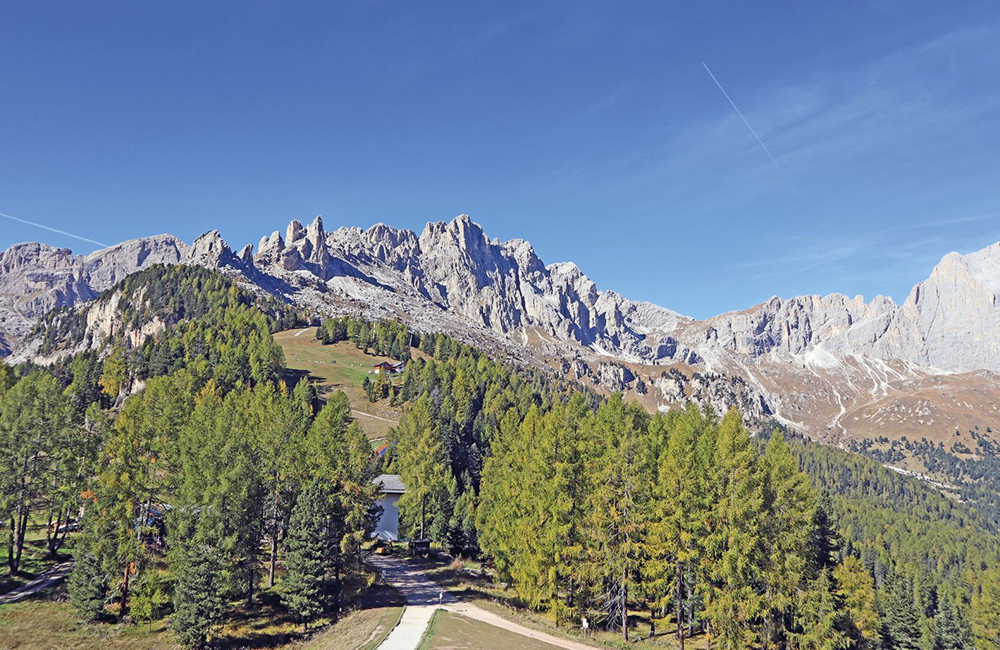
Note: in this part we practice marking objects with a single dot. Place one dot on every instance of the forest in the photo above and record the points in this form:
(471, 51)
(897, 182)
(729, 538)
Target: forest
(205, 476)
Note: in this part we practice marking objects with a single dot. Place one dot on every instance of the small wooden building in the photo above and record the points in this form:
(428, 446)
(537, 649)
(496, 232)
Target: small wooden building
(390, 489)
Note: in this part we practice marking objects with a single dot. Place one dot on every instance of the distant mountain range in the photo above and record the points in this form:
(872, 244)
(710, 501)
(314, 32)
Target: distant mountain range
(832, 366)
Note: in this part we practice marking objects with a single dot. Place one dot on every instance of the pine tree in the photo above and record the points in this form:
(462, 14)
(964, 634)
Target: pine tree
(951, 629)
(857, 592)
(986, 611)
(900, 620)
(149, 598)
(824, 541)
(307, 548)
(88, 586)
(197, 602)
(817, 618)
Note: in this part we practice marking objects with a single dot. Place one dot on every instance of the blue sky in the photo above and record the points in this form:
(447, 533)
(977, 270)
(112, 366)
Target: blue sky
(591, 130)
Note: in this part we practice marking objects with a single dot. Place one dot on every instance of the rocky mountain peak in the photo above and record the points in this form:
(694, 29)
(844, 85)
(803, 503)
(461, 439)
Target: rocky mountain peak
(294, 232)
(209, 244)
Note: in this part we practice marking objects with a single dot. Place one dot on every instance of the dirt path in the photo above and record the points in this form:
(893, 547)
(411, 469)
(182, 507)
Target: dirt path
(44, 581)
(369, 415)
(424, 597)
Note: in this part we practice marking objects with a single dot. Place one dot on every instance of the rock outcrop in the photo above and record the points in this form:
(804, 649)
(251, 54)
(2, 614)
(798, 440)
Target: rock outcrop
(811, 361)
(35, 278)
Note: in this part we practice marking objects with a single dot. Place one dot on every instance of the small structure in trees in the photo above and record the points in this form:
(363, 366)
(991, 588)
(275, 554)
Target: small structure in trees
(390, 488)
(389, 367)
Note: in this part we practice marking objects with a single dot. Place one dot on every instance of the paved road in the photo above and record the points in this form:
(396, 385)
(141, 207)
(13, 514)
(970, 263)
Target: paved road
(424, 597)
(44, 581)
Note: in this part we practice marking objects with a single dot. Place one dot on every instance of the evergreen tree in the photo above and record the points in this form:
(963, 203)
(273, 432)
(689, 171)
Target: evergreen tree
(789, 503)
(88, 586)
(986, 611)
(676, 524)
(824, 542)
(817, 618)
(307, 548)
(149, 598)
(951, 629)
(734, 547)
(7, 377)
(197, 601)
(422, 466)
(900, 620)
(857, 592)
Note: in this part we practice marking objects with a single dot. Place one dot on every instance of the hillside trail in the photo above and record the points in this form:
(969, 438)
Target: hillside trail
(424, 597)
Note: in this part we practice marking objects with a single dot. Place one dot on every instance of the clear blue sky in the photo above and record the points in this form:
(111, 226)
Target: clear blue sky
(591, 130)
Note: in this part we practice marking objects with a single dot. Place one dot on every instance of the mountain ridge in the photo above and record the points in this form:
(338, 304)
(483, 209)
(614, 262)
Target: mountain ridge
(452, 277)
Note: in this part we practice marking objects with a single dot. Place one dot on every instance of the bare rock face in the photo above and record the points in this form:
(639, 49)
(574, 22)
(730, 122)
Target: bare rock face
(813, 362)
(35, 278)
(951, 320)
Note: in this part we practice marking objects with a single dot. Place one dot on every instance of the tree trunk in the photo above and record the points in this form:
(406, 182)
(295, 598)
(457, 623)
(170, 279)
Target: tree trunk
(624, 610)
(274, 557)
(680, 605)
(11, 569)
(54, 541)
(48, 531)
(124, 603)
(251, 581)
(22, 527)
(61, 540)
(423, 512)
(274, 541)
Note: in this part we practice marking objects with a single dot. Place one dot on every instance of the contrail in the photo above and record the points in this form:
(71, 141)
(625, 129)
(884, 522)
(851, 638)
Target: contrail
(55, 230)
(763, 146)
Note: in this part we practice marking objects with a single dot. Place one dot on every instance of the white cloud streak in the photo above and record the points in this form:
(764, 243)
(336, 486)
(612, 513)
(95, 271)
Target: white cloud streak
(51, 229)
(763, 146)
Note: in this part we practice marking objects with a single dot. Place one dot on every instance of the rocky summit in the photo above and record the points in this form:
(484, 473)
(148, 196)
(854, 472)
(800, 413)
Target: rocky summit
(831, 366)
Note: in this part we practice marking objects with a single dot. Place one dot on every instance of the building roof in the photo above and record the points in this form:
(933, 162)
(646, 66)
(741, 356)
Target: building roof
(389, 484)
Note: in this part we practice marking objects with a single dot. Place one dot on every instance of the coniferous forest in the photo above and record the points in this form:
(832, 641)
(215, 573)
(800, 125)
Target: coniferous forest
(205, 474)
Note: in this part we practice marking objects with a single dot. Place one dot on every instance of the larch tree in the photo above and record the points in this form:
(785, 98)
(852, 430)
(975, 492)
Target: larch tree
(789, 503)
(422, 464)
(817, 618)
(856, 590)
(34, 435)
(735, 554)
(676, 519)
(617, 517)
